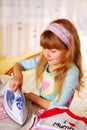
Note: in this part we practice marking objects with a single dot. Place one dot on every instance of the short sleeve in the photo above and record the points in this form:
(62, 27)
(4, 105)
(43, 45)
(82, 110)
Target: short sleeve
(29, 63)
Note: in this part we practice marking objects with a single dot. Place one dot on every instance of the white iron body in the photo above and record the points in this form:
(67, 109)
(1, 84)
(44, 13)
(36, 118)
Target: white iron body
(15, 105)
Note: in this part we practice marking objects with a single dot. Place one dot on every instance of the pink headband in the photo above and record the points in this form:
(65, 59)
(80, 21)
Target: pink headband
(61, 32)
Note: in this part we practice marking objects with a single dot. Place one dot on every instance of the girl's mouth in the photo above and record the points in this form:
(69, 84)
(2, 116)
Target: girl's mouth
(48, 60)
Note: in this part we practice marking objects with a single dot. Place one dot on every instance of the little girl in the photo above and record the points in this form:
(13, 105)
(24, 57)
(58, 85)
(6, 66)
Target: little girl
(58, 69)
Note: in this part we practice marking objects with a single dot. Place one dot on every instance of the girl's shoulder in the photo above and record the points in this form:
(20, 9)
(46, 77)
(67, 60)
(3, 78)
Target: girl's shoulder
(73, 69)
(72, 75)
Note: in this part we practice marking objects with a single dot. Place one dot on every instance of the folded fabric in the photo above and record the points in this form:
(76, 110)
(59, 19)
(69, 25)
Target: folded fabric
(60, 118)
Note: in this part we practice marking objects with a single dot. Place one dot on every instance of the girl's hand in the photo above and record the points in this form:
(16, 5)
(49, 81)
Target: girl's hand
(26, 95)
(16, 82)
(37, 99)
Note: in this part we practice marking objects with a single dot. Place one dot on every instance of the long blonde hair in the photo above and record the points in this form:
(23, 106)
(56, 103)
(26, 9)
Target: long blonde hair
(73, 53)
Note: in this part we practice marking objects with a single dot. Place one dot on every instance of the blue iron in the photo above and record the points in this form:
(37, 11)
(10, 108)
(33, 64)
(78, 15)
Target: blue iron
(15, 105)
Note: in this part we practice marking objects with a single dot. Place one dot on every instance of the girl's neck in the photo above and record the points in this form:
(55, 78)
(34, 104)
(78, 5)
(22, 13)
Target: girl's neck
(52, 68)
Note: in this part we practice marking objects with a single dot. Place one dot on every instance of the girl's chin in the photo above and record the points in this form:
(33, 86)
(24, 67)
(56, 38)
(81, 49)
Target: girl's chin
(50, 63)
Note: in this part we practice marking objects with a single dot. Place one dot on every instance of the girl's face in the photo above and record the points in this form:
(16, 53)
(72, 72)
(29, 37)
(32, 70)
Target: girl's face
(53, 56)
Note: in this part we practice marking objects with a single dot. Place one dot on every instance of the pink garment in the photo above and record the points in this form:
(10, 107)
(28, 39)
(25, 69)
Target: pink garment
(45, 84)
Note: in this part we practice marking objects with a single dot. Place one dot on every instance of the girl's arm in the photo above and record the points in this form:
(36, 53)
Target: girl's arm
(38, 100)
(17, 80)
(29, 63)
(69, 86)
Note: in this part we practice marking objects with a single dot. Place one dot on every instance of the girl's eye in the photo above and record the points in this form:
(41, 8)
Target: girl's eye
(53, 51)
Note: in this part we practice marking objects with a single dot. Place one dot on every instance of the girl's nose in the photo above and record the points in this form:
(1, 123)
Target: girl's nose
(46, 53)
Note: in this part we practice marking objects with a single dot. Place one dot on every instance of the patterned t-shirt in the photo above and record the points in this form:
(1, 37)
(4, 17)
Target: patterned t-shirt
(47, 86)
